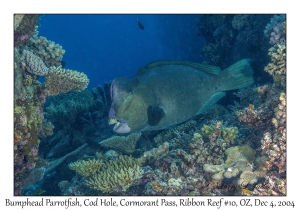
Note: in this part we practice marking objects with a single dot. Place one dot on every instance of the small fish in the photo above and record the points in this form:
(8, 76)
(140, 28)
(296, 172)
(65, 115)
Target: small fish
(63, 64)
(140, 24)
(166, 93)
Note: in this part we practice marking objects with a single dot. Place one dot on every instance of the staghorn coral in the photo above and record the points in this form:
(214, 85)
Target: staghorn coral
(33, 63)
(50, 52)
(60, 80)
(124, 144)
(278, 58)
(117, 175)
(86, 168)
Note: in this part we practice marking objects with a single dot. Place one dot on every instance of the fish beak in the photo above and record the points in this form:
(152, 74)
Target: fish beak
(117, 123)
(119, 127)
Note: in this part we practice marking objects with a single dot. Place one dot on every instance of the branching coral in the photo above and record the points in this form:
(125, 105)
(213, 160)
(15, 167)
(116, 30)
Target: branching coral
(278, 57)
(47, 50)
(86, 168)
(276, 29)
(60, 80)
(217, 130)
(67, 107)
(33, 63)
(171, 134)
(117, 175)
(124, 144)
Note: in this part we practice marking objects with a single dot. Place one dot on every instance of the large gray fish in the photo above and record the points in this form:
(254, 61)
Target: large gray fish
(165, 93)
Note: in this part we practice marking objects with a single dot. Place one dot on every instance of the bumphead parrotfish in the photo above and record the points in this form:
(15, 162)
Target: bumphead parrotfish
(165, 93)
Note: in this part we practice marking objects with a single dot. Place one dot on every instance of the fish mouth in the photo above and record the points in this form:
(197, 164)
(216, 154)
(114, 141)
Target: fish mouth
(120, 127)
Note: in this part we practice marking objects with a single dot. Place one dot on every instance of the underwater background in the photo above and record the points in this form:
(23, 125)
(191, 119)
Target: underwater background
(110, 46)
(63, 69)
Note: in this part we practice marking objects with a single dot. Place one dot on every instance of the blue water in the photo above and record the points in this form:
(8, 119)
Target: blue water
(108, 46)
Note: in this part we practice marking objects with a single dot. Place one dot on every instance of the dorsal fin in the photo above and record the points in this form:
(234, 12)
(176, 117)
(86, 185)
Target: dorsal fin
(202, 67)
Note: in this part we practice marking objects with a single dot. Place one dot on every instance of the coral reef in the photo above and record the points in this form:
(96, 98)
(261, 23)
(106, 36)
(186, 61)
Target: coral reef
(276, 29)
(60, 80)
(278, 58)
(47, 129)
(219, 152)
(86, 167)
(125, 144)
(117, 175)
(28, 117)
(68, 107)
(33, 63)
(50, 52)
(154, 153)
(24, 28)
(217, 130)
(240, 21)
(178, 136)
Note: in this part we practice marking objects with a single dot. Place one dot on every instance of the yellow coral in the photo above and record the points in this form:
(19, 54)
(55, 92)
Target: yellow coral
(207, 130)
(117, 175)
(86, 168)
(278, 57)
(229, 134)
(60, 80)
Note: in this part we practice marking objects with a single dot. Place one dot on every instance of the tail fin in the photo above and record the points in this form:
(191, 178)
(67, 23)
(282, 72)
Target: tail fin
(238, 75)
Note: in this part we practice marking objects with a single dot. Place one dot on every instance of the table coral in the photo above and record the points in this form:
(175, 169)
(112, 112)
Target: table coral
(60, 80)
(124, 144)
(86, 167)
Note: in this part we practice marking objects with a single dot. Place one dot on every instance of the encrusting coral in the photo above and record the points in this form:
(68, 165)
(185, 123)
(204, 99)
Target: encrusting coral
(124, 144)
(151, 155)
(116, 175)
(59, 80)
(86, 168)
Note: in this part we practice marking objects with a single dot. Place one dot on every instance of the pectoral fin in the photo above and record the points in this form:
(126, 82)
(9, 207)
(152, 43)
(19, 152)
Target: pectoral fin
(155, 114)
(211, 101)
